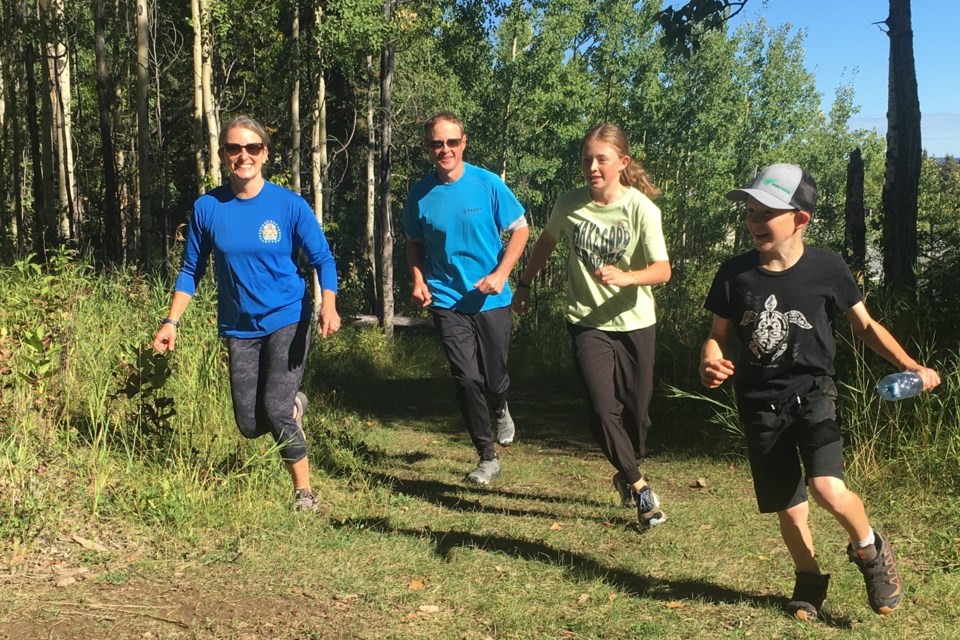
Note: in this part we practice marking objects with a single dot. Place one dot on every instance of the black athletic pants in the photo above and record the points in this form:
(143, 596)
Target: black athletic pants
(616, 368)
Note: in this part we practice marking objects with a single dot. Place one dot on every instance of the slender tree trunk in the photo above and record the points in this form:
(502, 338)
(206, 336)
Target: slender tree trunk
(58, 66)
(143, 135)
(507, 113)
(904, 154)
(6, 223)
(318, 141)
(112, 230)
(295, 99)
(854, 215)
(209, 100)
(386, 176)
(46, 204)
(201, 169)
(370, 242)
(10, 67)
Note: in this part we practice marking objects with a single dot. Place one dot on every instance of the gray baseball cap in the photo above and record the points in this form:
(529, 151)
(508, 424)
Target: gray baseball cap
(781, 186)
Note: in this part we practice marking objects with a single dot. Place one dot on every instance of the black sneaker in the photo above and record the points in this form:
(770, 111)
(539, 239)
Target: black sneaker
(649, 513)
(809, 592)
(625, 491)
(879, 573)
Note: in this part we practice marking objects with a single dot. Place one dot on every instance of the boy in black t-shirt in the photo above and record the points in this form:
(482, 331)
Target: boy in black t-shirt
(780, 300)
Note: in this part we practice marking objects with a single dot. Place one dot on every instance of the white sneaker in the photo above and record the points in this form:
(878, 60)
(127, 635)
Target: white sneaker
(503, 424)
(486, 471)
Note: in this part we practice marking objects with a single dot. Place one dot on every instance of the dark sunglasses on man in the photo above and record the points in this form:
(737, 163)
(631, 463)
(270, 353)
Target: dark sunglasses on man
(453, 143)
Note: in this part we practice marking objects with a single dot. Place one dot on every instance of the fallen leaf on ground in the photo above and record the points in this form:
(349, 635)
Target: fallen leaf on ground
(345, 597)
(675, 604)
(416, 585)
(583, 598)
(699, 483)
(428, 608)
(89, 545)
(612, 597)
(556, 526)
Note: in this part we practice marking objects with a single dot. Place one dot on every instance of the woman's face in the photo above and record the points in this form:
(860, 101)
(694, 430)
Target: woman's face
(243, 152)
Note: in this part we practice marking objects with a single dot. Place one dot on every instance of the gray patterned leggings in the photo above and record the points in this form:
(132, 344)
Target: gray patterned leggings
(265, 375)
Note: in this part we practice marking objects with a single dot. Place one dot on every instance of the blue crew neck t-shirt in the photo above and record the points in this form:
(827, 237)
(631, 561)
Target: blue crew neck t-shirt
(256, 243)
(459, 224)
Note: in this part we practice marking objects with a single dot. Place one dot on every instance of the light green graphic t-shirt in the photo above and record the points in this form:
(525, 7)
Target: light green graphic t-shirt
(626, 234)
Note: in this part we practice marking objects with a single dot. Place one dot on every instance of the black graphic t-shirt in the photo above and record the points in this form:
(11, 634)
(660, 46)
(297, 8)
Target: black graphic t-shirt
(784, 319)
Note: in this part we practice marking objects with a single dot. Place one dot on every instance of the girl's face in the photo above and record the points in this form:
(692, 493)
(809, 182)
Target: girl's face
(601, 165)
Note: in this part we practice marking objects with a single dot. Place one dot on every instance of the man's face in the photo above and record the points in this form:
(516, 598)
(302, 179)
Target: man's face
(445, 146)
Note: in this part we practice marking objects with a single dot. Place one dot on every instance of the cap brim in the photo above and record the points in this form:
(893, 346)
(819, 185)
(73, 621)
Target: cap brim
(764, 198)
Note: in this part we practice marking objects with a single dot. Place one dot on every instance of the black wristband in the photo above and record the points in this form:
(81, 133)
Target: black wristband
(176, 325)
(521, 284)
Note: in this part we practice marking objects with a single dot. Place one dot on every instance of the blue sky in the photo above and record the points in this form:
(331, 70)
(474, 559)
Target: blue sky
(842, 43)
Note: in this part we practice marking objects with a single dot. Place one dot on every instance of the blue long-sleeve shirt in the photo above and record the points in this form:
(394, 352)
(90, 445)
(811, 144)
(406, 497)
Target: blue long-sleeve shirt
(256, 244)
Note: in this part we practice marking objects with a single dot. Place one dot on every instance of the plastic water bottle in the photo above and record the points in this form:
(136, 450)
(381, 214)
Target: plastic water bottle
(898, 386)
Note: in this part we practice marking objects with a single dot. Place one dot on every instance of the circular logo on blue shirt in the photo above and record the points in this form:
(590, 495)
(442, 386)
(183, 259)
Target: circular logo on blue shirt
(270, 232)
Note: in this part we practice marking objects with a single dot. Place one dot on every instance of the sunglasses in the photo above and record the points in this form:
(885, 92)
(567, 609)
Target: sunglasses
(253, 149)
(453, 143)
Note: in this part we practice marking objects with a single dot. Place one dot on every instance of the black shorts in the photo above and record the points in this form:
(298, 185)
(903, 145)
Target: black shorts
(806, 425)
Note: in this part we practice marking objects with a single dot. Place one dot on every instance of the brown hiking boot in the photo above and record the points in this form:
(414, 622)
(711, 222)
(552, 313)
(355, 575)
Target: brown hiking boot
(879, 573)
(809, 592)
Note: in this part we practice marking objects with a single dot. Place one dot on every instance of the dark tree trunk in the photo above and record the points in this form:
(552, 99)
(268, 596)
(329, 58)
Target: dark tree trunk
(386, 175)
(854, 215)
(902, 180)
(39, 203)
(112, 235)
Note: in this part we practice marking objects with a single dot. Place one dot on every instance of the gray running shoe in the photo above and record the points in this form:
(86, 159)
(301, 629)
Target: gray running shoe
(625, 491)
(503, 424)
(880, 574)
(649, 513)
(486, 471)
(304, 500)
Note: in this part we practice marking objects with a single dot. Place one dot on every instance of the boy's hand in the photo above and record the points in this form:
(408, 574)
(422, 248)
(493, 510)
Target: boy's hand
(930, 377)
(714, 372)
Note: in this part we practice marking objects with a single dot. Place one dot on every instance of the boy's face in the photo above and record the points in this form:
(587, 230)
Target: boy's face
(772, 228)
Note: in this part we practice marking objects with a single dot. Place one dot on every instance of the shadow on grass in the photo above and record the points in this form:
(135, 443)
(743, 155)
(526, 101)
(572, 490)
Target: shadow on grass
(448, 496)
(555, 420)
(579, 567)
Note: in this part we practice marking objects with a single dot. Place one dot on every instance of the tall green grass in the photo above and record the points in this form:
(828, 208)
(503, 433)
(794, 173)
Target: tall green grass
(73, 445)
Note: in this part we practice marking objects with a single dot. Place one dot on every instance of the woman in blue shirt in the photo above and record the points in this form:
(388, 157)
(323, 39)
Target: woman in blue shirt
(256, 230)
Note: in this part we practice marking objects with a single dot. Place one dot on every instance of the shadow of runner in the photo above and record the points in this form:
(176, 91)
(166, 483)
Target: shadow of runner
(579, 567)
(446, 495)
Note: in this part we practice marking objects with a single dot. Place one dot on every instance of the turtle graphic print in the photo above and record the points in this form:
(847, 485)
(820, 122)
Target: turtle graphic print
(772, 328)
(598, 245)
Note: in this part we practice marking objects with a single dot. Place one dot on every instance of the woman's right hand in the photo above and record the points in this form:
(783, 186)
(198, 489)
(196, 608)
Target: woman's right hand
(165, 339)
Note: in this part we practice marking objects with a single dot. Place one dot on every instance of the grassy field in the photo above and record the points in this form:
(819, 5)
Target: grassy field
(410, 551)
(130, 507)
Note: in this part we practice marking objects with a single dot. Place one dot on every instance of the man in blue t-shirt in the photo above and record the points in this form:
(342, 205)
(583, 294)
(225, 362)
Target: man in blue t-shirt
(453, 219)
